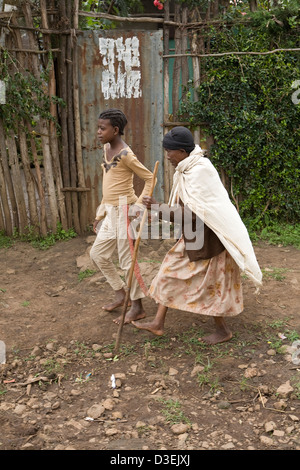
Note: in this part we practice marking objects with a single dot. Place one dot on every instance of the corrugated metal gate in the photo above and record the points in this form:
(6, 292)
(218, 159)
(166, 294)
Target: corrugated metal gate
(121, 69)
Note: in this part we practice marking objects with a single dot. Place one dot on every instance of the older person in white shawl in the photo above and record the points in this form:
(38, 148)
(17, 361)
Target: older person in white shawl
(201, 277)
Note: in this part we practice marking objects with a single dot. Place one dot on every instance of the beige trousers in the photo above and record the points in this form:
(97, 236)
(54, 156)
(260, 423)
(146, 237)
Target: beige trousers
(111, 236)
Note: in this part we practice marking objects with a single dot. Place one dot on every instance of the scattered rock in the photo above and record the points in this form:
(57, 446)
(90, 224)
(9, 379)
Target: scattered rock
(228, 446)
(20, 409)
(267, 441)
(270, 426)
(140, 424)
(180, 428)
(285, 390)
(84, 262)
(62, 351)
(10, 271)
(197, 370)
(95, 411)
(224, 405)
(182, 438)
(36, 351)
(118, 383)
(280, 405)
(120, 375)
(108, 404)
(55, 405)
(250, 372)
(265, 389)
(111, 431)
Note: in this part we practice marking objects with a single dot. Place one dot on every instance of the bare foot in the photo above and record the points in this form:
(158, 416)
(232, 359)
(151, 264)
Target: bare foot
(129, 318)
(114, 305)
(218, 337)
(119, 301)
(152, 327)
(136, 312)
(221, 334)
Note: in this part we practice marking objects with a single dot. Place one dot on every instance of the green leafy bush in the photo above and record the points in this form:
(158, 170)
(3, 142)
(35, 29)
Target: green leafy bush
(247, 102)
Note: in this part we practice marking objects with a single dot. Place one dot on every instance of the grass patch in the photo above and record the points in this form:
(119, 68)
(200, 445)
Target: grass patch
(42, 243)
(84, 274)
(82, 350)
(52, 366)
(276, 233)
(282, 234)
(191, 337)
(296, 384)
(159, 342)
(172, 412)
(278, 274)
(5, 241)
(279, 335)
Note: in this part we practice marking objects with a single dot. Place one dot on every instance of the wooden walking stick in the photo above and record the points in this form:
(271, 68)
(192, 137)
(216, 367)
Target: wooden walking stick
(134, 257)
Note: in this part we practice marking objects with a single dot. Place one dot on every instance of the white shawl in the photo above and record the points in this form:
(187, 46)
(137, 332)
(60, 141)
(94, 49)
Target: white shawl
(197, 183)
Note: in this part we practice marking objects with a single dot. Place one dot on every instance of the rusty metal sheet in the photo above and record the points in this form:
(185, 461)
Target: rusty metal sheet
(121, 69)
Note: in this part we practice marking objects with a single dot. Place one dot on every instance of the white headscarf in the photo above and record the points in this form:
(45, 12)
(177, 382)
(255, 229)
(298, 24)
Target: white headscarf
(197, 183)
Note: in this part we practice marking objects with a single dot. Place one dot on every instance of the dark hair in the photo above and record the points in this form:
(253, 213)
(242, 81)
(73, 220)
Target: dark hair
(179, 138)
(116, 117)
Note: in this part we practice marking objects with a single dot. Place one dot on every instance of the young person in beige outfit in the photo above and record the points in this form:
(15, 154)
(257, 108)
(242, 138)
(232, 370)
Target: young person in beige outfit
(119, 166)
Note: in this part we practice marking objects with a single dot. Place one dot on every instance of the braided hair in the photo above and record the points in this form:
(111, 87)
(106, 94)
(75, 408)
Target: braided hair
(116, 117)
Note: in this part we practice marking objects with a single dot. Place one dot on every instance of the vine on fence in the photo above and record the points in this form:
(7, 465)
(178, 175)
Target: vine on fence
(27, 98)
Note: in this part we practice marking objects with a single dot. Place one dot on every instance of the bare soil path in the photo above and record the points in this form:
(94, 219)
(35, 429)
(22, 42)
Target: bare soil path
(63, 387)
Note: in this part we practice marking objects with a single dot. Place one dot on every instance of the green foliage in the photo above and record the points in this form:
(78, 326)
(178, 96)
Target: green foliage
(279, 234)
(247, 102)
(84, 274)
(43, 243)
(27, 98)
(119, 8)
(284, 16)
(5, 241)
(172, 411)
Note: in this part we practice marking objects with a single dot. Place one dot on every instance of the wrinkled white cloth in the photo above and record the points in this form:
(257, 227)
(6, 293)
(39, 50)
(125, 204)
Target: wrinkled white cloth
(197, 183)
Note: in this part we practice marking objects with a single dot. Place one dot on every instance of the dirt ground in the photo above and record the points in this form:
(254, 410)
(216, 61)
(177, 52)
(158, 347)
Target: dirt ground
(64, 387)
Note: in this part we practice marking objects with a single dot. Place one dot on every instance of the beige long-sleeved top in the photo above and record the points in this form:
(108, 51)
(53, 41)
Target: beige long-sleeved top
(118, 180)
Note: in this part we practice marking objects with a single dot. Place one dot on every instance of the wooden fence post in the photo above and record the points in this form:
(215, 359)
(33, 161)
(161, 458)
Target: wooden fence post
(6, 184)
(78, 146)
(44, 129)
(52, 126)
(8, 180)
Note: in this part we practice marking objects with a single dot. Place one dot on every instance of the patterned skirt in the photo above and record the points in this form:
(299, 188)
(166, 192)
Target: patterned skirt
(210, 287)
